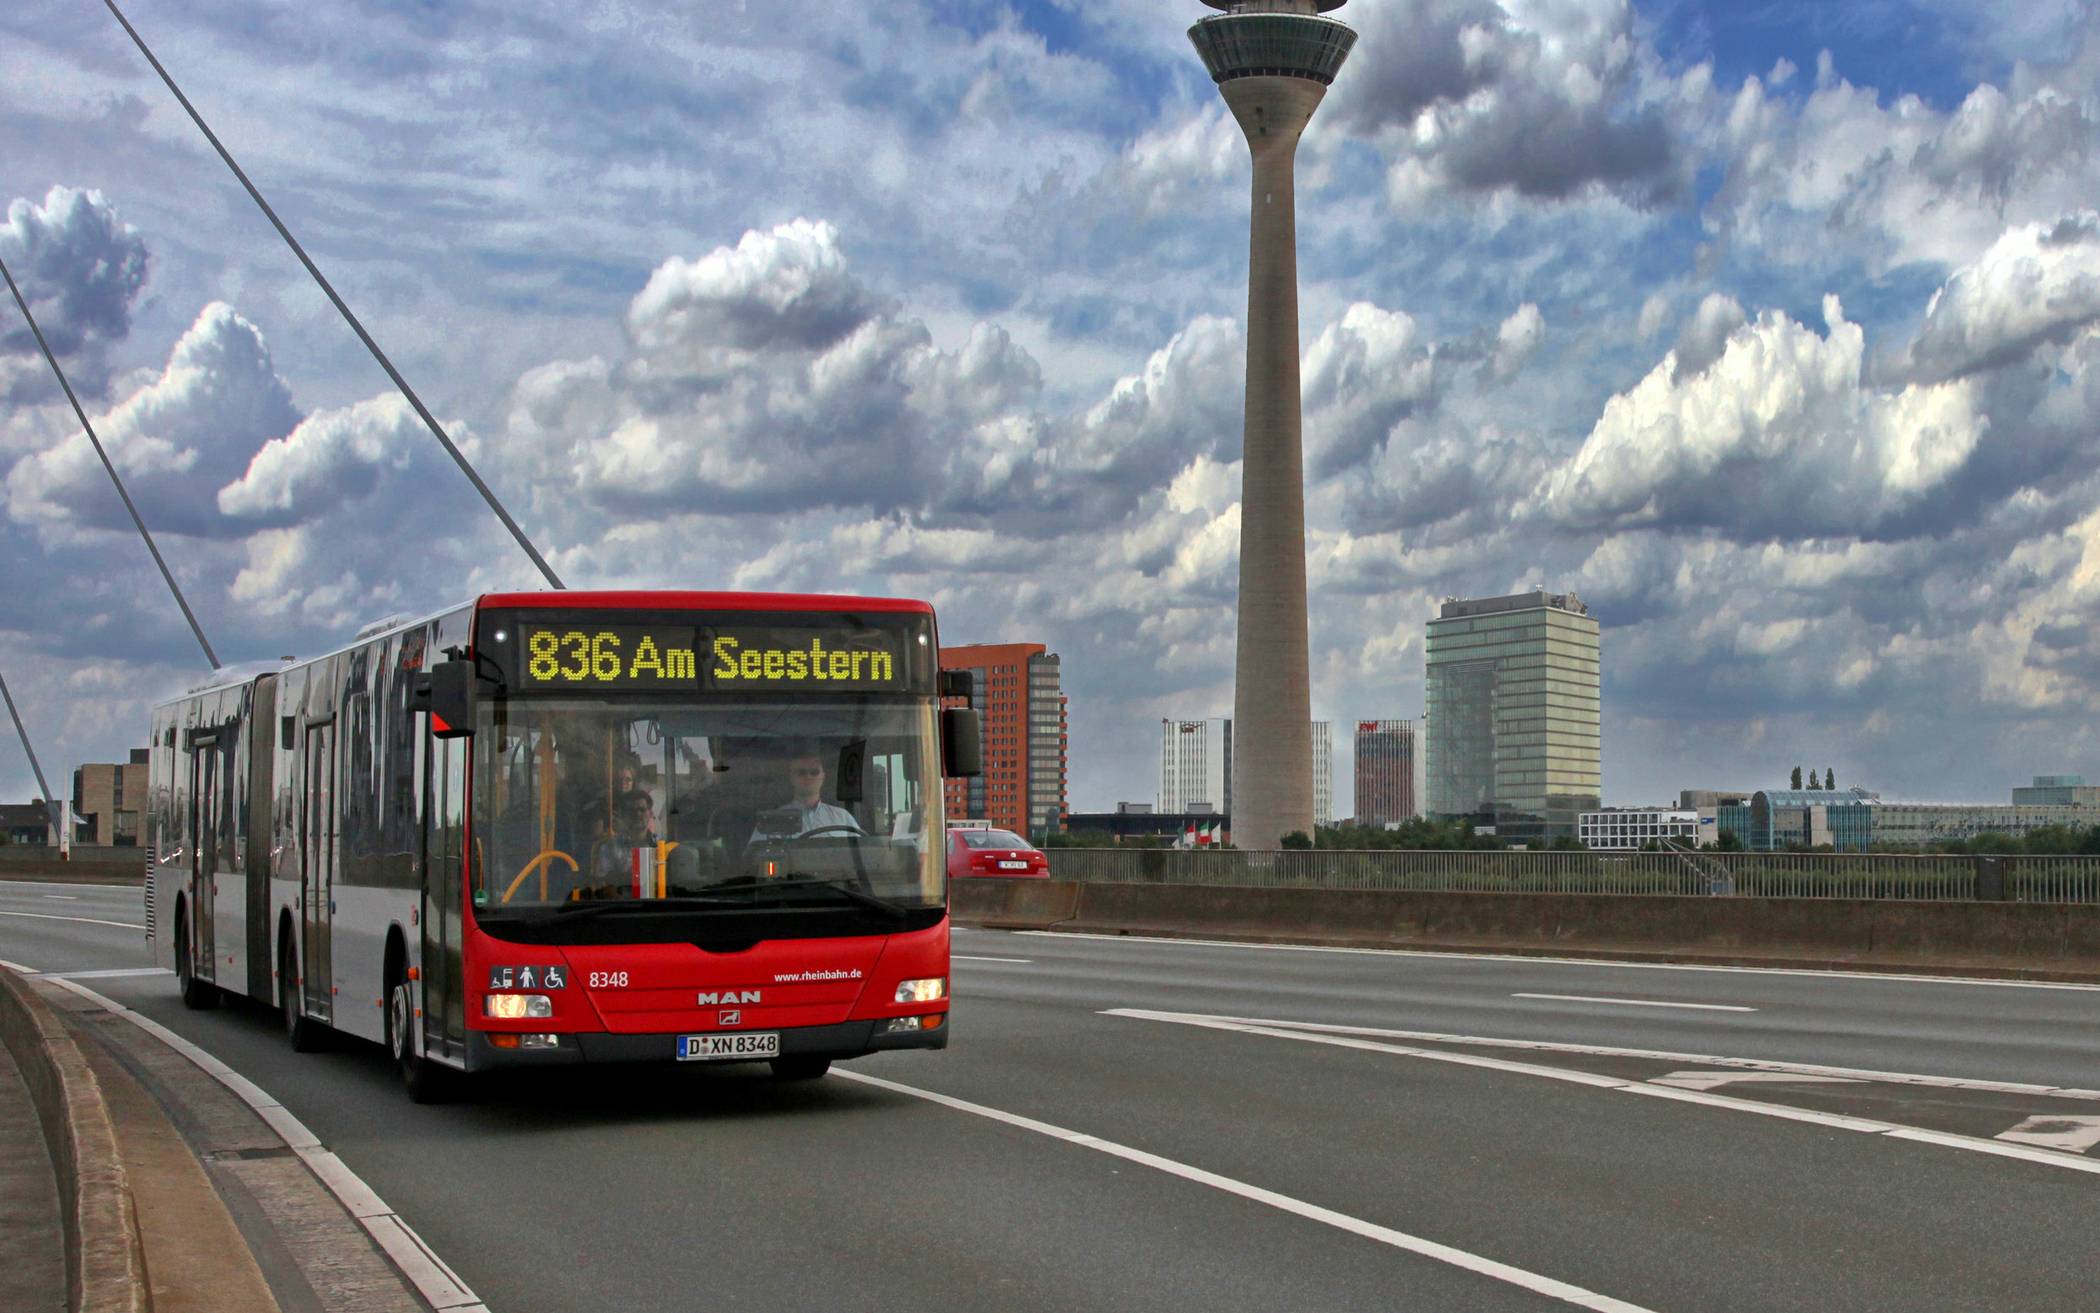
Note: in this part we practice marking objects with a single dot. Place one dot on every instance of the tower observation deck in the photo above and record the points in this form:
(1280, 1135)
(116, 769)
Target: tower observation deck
(1273, 38)
(1273, 61)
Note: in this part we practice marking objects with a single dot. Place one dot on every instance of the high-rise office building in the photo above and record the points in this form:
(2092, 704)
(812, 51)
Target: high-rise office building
(1323, 772)
(1512, 694)
(1385, 771)
(1273, 61)
(1195, 766)
(1018, 689)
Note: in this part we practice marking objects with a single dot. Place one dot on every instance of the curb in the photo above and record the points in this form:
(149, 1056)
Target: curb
(105, 1257)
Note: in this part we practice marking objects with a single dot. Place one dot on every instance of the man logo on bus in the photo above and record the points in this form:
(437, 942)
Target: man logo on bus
(711, 998)
(730, 1017)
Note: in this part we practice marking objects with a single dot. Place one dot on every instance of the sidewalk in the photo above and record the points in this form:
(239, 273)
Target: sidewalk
(33, 1277)
(228, 1217)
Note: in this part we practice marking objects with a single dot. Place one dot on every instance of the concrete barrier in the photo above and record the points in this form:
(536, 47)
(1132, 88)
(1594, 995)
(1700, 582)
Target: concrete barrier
(2044, 941)
(89, 864)
(105, 1259)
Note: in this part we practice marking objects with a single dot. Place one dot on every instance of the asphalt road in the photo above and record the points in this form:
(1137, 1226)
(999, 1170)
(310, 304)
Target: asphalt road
(1145, 1125)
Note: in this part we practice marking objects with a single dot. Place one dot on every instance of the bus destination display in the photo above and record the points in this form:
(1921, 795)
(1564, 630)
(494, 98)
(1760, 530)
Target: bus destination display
(614, 658)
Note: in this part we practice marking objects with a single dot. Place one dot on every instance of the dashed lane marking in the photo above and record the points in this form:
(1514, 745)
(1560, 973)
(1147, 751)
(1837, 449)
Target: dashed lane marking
(1708, 1080)
(1610, 1051)
(1459, 1258)
(1971, 1144)
(112, 974)
(2070, 1134)
(1855, 976)
(84, 920)
(965, 957)
(1637, 1002)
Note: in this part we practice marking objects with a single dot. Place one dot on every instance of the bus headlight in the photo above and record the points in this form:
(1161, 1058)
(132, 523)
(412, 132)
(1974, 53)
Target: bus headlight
(517, 1007)
(930, 990)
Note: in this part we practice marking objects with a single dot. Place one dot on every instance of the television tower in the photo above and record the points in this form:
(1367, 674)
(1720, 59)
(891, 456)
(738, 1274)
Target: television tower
(1273, 60)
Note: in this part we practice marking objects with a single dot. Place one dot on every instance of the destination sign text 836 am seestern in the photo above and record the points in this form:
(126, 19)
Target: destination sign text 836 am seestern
(605, 657)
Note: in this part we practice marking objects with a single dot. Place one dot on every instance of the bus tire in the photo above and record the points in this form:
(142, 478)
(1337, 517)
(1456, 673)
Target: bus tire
(425, 1081)
(800, 1067)
(302, 1032)
(198, 994)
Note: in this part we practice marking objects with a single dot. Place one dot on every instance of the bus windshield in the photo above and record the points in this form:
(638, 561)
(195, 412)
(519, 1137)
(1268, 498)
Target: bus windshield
(580, 803)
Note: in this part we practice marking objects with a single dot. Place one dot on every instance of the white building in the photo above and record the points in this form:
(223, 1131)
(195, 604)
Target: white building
(1195, 766)
(1323, 772)
(1629, 828)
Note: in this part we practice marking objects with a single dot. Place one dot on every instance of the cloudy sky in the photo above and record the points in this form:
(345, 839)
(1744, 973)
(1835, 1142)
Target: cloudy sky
(1771, 329)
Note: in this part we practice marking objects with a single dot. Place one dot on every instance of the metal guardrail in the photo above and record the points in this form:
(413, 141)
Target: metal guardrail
(1749, 875)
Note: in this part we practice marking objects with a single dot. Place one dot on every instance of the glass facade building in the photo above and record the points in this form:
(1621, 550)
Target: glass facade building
(1385, 771)
(1514, 725)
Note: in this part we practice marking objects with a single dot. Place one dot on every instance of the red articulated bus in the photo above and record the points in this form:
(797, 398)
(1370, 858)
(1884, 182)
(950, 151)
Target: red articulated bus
(573, 827)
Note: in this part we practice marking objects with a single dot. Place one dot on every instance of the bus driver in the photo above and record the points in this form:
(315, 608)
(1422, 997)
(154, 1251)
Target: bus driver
(806, 810)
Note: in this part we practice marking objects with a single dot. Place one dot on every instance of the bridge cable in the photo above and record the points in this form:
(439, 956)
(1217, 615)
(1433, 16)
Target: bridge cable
(129, 505)
(50, 802)
(430, 421)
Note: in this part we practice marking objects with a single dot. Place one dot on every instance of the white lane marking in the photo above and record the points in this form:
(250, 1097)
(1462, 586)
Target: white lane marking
(1566, 961)
(1637, 1002)
(112, 974)
(1710, 1080)
(1836, 1121)
(85, 886)
(61, 898)
(2071, 1134)
(965, 957)
(84, 920)
(1665, 1055)
(1459, 1258)
(431, 1276)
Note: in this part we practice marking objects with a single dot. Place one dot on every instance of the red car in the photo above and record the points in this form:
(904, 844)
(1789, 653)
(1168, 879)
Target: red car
(973, 852)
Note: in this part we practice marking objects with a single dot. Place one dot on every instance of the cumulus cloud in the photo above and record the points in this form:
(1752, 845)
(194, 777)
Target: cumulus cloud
(1516, 339)
(1778, 437)
(1541, 98)
(176, 441)
(80, 267)
(1363, 374)
(1840, 171)
(2038, 283)
(1705, 335)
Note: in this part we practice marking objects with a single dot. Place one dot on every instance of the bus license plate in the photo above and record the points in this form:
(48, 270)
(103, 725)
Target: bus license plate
(715, 1048)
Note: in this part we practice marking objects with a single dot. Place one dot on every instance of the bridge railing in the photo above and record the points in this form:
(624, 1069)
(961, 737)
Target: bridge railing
(2074, 879)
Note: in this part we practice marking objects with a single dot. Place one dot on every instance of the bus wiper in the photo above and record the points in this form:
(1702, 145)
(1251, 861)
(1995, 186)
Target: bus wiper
(599, 906)
(757, 887)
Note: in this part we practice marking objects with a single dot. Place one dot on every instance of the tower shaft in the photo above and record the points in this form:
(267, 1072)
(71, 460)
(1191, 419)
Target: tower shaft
(1272, 693)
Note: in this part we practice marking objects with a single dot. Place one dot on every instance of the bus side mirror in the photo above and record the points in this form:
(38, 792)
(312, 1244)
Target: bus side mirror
(849, 781)
(451, 699)
(962, 743)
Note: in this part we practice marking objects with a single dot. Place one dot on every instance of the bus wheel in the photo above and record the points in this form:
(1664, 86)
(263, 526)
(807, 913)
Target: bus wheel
(425, 1080)
(195, 993)
(800, 1068)
(302, 1032)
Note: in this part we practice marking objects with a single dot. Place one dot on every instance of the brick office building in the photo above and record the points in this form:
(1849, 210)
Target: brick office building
(1017, 687)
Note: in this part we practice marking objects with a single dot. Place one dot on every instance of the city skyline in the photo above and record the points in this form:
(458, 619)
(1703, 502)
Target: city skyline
(1533, 328)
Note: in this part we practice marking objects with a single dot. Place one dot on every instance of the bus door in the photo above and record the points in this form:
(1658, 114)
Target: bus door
(317, 849)
(205, 802)
(444, 829)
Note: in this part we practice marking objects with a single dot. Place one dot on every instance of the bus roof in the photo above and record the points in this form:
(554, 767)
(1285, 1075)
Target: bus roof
(678, 600)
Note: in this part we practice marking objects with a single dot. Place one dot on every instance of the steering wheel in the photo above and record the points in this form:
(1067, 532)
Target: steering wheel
(854, 830)
(542, 863)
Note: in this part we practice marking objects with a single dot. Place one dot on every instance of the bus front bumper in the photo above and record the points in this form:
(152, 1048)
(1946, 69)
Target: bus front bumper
(849, 1039)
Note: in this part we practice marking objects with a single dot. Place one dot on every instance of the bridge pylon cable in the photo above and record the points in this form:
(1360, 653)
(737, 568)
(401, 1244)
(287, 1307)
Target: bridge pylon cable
(437, 430)
(50, 802)
(107, 464)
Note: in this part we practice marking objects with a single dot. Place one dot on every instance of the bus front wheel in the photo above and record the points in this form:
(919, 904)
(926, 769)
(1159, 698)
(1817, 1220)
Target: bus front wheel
(425, 1081)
